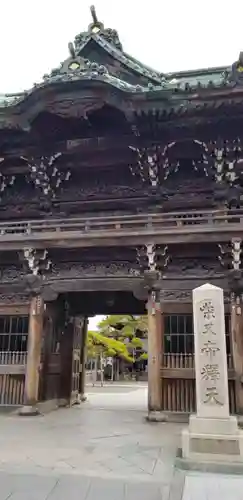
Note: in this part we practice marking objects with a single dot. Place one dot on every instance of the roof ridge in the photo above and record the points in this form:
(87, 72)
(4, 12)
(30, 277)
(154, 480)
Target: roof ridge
(198, 72)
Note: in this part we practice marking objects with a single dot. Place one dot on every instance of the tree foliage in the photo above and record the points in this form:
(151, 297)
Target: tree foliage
(98, 344)
(119, 336)
(123, 326)
(126, 332)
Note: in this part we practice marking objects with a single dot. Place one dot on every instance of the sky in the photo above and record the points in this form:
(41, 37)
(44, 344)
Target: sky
(93, 322)
(168, 36)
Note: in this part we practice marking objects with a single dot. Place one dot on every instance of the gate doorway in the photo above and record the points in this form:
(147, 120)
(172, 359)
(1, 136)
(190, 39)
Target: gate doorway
(123, 391)
(177, 361)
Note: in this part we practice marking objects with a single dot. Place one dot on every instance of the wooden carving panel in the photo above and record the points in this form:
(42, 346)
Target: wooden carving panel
(70, 270)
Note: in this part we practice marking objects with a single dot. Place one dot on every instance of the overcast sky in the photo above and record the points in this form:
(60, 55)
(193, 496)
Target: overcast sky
(167, 35)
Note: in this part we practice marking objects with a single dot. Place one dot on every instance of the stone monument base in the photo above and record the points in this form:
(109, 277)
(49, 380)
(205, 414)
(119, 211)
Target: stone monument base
(212, 439)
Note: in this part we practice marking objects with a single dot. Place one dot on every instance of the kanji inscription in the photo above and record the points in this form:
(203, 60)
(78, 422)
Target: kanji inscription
(210, 352)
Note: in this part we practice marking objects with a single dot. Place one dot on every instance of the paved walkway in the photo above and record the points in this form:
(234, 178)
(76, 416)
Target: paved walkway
(130, 396)
(212, 487)
(88, 452)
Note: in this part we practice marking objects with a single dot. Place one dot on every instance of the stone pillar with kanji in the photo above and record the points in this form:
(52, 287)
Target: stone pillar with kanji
(213, 434)
(32, 373)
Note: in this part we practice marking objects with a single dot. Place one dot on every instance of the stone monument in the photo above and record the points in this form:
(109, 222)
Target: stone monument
(213, 434)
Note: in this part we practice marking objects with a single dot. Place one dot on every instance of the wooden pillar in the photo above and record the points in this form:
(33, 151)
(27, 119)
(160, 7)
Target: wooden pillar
(83, 361)
(48, 322)
(237, 349)
(155, 352)
(33, 356)
(66, 349)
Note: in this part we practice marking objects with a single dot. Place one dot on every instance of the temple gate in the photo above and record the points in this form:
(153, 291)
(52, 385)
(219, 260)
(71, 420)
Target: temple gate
(121, 192)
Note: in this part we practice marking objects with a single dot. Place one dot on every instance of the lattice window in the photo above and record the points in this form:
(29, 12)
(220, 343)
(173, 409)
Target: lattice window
(179, 333)
(14, 333)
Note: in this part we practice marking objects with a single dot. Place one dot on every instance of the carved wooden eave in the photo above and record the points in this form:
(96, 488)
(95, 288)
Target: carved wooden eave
(76, 100)
(76, 92)
(72, 99)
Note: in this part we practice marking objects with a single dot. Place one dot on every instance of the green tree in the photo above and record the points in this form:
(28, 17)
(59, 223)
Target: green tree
(128, 330)
(99, 344)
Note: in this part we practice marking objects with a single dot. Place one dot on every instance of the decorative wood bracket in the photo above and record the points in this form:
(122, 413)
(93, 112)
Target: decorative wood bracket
(45, 174)
(223, 157)
(153, 164)
(230, 258)
(230, 254)
(153, 258)
(37, 261)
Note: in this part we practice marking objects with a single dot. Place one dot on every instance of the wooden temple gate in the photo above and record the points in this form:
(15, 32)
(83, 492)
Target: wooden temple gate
(119, 172)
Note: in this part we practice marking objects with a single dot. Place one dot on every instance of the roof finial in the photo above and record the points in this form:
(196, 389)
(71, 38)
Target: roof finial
(71, 50)
(93, 14)
(96, 25)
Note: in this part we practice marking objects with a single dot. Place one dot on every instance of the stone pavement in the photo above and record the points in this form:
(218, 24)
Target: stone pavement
(112, 453)
(212, 487)
(87, 452)
(132, 396)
